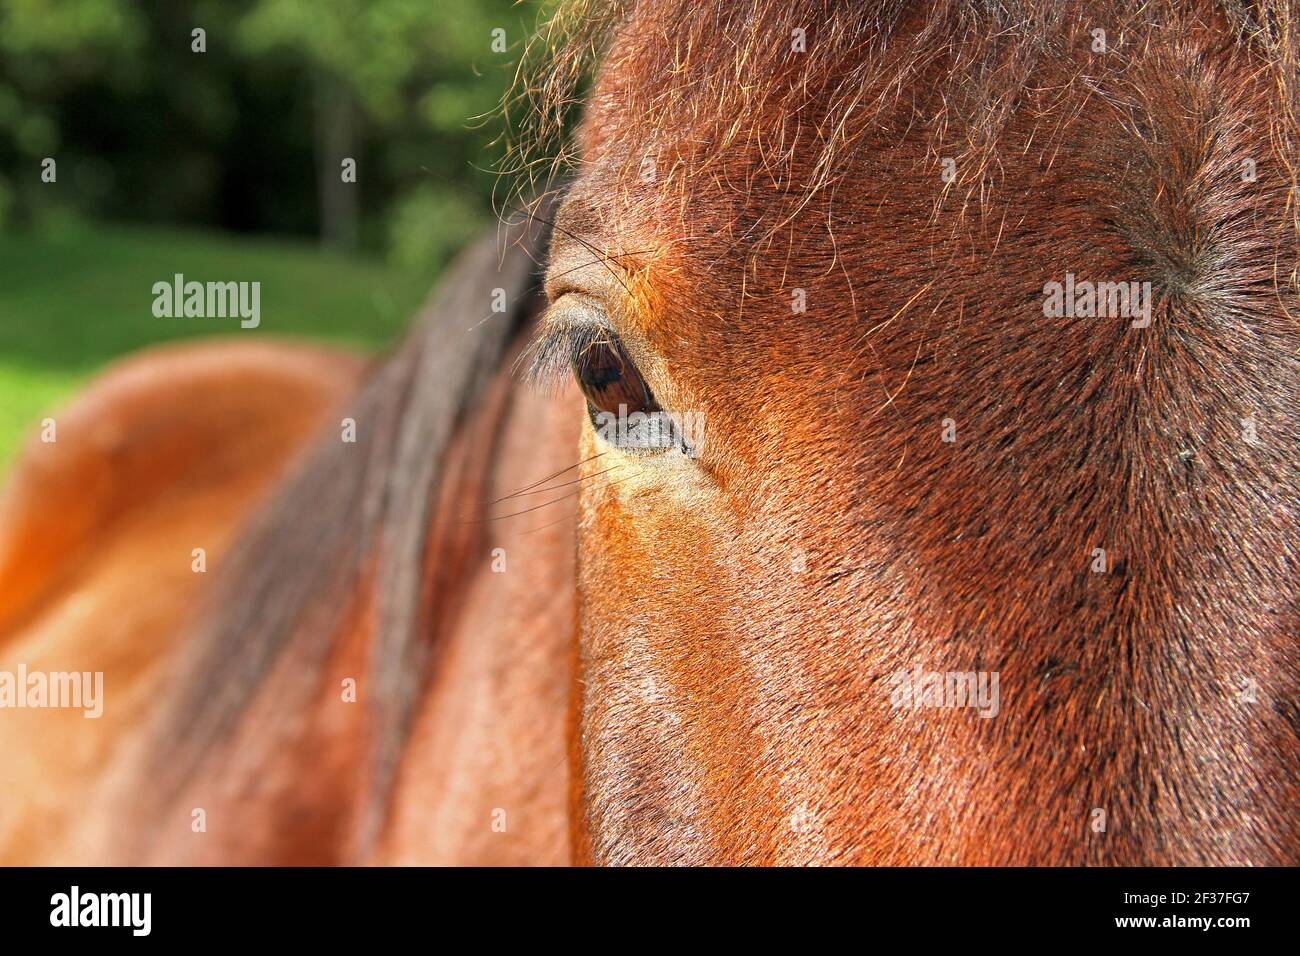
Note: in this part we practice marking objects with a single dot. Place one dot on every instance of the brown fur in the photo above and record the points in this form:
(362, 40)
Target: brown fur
(168, 451)
(734, 711)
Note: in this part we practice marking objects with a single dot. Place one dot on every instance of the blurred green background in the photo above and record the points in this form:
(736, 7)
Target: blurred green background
(225, 165)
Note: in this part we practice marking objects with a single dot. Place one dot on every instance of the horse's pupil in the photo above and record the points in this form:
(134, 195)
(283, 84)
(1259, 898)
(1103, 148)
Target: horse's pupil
(609, 380)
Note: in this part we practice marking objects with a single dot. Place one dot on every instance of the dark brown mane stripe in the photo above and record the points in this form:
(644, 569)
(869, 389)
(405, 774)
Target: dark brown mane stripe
(349, 512)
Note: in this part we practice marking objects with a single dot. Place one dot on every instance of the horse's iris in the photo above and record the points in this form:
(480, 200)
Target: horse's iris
(610, 380)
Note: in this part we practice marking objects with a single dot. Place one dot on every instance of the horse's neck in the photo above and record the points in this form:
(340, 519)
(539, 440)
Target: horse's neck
(483, 776)
(108, 536)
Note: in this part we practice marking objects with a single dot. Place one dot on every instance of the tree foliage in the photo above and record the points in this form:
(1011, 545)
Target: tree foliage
(242, 136)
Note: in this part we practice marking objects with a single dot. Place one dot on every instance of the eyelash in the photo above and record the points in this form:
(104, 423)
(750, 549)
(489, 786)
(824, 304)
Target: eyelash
(548, 361)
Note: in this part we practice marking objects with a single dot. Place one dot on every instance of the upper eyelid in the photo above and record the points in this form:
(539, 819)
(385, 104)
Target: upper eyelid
(580, 264)
(586, 273)
(579, 313)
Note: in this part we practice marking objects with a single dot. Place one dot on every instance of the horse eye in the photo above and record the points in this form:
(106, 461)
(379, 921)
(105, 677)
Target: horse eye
(623, 411)
(611, 382)
(622, 408)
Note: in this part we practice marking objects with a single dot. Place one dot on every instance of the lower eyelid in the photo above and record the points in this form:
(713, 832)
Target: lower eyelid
(646, 433)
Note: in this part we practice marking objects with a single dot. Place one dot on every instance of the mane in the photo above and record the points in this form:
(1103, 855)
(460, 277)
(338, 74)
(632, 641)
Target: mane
(352, 518)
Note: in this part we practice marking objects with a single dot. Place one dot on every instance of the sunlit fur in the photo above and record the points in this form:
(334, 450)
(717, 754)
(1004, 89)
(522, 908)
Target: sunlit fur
(737, 709)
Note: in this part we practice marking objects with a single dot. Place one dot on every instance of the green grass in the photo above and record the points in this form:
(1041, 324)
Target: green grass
(74, 299)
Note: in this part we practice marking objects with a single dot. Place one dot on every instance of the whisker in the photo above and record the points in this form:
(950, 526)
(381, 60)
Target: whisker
(551, 524)
(544, 480)
(516, 514)
(604, 259)
(541, 491)
(608, 256)
(553, 501)
(540, 286)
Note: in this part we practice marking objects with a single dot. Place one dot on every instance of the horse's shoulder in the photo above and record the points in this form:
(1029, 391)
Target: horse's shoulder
(175, 424)
(163, 456)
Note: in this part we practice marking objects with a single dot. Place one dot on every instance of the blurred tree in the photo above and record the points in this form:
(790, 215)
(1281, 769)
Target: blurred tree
(250, 135)
(394, 66)
(46, 50)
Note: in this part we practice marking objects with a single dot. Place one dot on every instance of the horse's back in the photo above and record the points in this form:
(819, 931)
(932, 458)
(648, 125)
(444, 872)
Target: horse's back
(111, 520)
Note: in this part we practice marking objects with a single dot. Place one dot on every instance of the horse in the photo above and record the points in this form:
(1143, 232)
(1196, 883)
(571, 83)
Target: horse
(902, 472)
